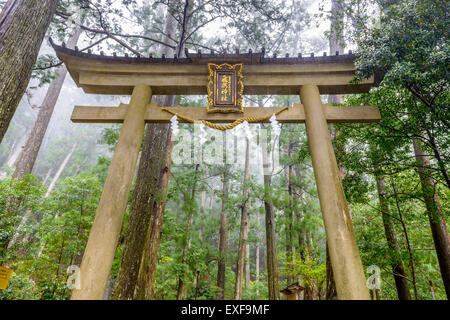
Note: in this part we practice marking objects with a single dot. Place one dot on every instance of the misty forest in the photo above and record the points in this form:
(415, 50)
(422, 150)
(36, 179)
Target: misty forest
(244, 220)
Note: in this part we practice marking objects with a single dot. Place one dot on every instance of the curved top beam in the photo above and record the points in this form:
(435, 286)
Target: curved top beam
(103, 74)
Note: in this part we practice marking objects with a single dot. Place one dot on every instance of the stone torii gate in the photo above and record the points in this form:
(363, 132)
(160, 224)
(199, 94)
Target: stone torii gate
(143, 77)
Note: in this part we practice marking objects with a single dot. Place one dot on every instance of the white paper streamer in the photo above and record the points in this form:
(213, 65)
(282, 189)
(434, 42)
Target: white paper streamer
(276, 127)
(202, 135)
(174, 126)
(245, 128)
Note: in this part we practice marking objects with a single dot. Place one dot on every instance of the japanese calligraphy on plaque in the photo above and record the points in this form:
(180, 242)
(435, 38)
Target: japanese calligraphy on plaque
(225, 88)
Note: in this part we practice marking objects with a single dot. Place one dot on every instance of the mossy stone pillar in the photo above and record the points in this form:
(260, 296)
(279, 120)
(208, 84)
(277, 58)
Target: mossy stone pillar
(101, 247)
(344, 255)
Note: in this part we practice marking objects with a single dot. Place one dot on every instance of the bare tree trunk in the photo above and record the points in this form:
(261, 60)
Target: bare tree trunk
(26, 217)
(435, 215)
(432, 290)
(401, 282)
(290, 216)
(52, 186)
(272, 259)
(243, 234)
(146, 192)
(145, 200)
(13, 148)
(187, 243)
(257, 257)
(247, 265)
(336, 41)
(23, 24)
(211, 201)
(202, 214)
(149, 261)
(17, 150)
(221, 261)
(22, 224)
(80, 166)
(186, 246)
(257, 252)
(47, 176)
(438, 157)
(408, 243)
(60, 170)
(30, 151)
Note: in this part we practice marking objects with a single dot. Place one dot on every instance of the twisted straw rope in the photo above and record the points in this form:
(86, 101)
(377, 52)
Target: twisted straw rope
(224, 127)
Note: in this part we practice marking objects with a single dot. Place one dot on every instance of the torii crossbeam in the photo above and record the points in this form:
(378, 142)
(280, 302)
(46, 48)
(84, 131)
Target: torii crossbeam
(294, 114)
(142, 77)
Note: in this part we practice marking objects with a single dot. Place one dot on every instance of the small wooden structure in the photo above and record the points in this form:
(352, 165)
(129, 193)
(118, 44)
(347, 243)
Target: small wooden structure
(293, 291)
(143, 77)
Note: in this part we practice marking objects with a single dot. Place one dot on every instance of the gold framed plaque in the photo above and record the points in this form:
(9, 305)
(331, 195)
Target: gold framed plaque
(225, 88)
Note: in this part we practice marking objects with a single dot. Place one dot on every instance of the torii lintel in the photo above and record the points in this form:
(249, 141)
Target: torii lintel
(294, 114)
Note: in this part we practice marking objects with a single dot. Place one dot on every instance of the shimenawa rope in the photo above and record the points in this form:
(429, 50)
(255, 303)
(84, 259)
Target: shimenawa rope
(224, 127)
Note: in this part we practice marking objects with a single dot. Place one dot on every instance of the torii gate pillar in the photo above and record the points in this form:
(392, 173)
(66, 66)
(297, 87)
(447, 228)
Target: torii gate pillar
(101, 247)
(345, 260)
(263, 75)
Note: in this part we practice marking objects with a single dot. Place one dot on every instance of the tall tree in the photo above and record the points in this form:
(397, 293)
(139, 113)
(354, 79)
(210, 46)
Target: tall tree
(271, 244)
(243, 234)
(189, 208)
(336, 40)
(146, 192)
(392, 138)
(289, 230)
(147, 270)
(23, 24)
(247, 266)
(222, 258)
(31, 149)
(401, 283)
(16, 149)
(409, 49)
(257, 252)
(185, 20)
(146, 196)
(50, 188)
(435, 215)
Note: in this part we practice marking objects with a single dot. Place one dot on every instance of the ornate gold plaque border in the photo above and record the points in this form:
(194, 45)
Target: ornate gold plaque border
(239, 87)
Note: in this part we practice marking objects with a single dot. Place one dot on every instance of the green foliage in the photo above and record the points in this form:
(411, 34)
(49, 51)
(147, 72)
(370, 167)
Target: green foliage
(411, 45)
(16, 197)
(20, 287)
(43, 71)
(258, 290)
(59, 228)
(71, 211)
(110, 136)
(411, 49)
(303, 266)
